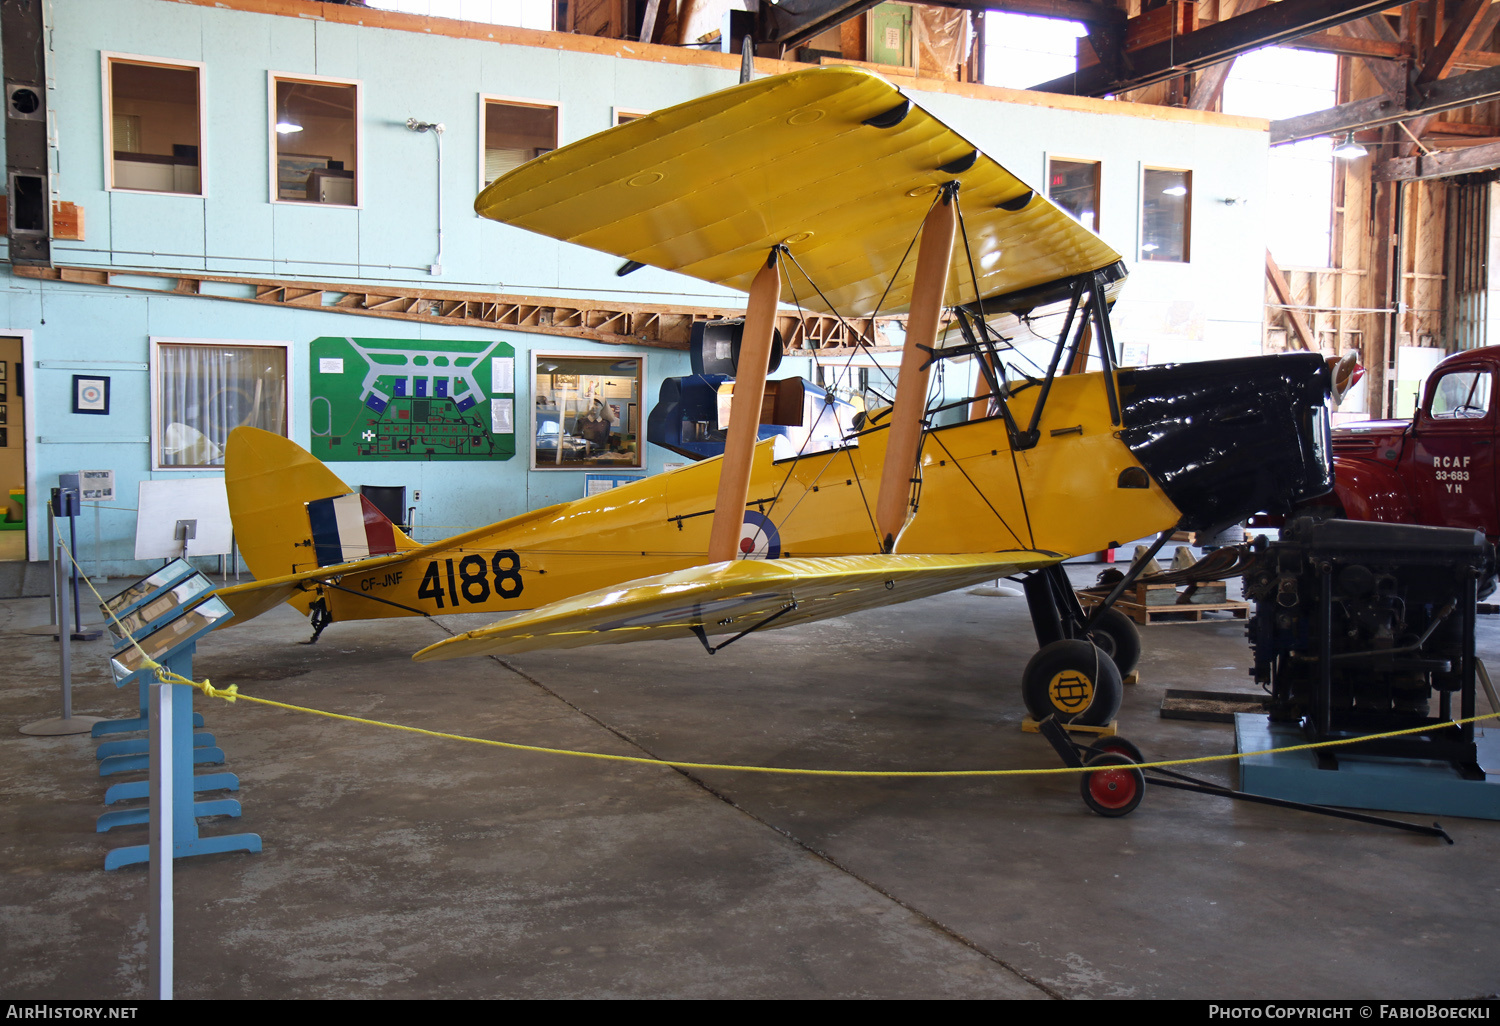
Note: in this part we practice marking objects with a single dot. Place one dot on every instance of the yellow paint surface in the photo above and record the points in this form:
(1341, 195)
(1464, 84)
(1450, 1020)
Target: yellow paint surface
(706, 188)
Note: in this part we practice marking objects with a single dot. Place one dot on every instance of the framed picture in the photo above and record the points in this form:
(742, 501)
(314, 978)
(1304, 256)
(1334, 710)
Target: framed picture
(90, 394)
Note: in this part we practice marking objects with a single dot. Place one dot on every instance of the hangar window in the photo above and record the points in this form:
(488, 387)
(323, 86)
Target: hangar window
(315, 140)
(202, 389)
(622, 115)
(1074, 186)
(586, 411)
(1166, 214)
(153, 125)
(515, 131)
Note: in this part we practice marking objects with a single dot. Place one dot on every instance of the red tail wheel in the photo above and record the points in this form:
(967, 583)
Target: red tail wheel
(1115, 790)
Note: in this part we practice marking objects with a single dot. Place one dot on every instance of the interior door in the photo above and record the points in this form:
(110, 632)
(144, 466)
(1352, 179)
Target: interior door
(12, 450)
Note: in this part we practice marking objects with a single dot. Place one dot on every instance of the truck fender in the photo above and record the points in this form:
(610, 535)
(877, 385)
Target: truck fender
(1369, 491)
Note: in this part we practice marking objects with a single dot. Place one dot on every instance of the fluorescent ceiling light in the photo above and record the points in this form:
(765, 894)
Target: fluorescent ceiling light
(287, 127)
(1175, 190)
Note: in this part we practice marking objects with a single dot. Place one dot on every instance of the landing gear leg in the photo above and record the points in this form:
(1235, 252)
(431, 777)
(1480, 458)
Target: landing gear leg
(320, 618)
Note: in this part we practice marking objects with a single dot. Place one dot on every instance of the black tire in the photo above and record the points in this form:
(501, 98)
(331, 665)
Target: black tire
(1116, 790)
(1118, 635)
(1073, 680)
(1116, 746)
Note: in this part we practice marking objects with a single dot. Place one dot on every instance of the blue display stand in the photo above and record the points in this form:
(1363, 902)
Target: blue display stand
(129, 609)
(184, 810)
(159, 620)
(142, 721)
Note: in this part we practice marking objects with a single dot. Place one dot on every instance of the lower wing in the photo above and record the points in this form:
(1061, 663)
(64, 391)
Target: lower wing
(735, 597)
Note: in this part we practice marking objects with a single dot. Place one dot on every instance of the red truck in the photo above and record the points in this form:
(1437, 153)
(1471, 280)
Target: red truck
(1439, 468)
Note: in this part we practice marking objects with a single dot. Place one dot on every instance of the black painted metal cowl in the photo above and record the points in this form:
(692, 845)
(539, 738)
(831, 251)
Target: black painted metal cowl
(1226, 439)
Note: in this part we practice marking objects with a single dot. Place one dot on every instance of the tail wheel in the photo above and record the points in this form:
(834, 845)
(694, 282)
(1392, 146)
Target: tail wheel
(1116, 789)
(1073, 680)
(1118, 635)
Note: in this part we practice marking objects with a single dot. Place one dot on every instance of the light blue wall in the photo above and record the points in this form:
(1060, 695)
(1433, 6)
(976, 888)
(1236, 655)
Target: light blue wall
(1211, 306)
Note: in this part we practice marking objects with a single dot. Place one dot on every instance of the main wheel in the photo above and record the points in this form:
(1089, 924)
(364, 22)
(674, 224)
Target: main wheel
(1115, 790)
(1074, 680)
(1118, 635)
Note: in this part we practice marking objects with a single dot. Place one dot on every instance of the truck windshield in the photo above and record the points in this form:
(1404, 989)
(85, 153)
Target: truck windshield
(1462, 394)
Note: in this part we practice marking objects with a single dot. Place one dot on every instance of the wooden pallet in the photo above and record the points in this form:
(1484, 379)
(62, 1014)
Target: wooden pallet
(1149, 613)
(1147, 616)
(1031, 726)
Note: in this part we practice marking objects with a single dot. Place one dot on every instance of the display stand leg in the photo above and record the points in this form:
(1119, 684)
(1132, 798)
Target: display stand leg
(207, 756)
(176, 803)
(142, 746)
(133, 789)
(68, 723)
(79, 634)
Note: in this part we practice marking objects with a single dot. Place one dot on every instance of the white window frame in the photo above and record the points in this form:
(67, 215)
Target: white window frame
(106, 58)
(485, 99)
(272, 77)
(157, 341)
(633, 112)
(641, 411)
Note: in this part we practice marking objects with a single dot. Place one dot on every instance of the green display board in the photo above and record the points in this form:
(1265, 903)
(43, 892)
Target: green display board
(412, 399)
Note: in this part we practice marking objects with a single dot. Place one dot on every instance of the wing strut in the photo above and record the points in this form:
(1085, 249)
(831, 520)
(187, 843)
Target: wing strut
(702, 635)
(744, 411)
(929, 284)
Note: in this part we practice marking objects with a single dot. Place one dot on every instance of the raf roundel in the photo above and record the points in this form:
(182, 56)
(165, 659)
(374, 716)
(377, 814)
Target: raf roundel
(759, 538)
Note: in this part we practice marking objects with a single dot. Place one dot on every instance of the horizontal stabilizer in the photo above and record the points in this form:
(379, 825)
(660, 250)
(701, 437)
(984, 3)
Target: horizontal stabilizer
(252, 598)
(736, 596)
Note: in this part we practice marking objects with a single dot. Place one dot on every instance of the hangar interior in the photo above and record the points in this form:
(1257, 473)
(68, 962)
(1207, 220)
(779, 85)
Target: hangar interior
(261, 214)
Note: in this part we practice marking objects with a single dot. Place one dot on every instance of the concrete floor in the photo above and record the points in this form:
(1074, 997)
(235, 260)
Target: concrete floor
(398, 866)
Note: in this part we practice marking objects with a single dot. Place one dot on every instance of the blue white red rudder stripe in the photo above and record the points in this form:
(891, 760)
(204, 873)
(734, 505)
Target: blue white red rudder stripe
(348, 527)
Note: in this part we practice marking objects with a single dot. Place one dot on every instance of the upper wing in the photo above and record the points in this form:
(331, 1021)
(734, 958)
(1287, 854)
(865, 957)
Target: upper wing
(707, 187)
(724, 598)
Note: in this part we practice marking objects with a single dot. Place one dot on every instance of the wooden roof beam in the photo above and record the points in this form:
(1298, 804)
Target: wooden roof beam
(1474, 19)
(1269, 26)
(1210, 83)
(1484, 156)
(1447, 94)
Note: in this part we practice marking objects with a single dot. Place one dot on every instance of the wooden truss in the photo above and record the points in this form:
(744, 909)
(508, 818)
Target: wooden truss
(634, 324)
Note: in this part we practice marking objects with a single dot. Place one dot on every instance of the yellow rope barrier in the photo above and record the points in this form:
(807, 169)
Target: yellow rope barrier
(232, 694)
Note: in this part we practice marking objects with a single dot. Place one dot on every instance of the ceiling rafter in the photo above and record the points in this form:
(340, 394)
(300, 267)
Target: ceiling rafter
(1271, 25)
(634, 324)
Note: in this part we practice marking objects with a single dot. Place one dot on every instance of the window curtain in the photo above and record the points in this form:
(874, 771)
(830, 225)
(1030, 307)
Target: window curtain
(205, 392)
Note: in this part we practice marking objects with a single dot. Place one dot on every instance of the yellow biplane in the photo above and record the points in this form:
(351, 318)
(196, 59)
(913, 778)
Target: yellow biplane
(832, 181)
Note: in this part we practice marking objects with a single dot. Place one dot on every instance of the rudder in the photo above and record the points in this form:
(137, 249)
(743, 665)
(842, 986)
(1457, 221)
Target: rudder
(271, 481)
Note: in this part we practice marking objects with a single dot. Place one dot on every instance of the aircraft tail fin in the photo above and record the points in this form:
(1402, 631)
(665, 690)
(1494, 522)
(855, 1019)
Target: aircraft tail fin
(291, 513)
